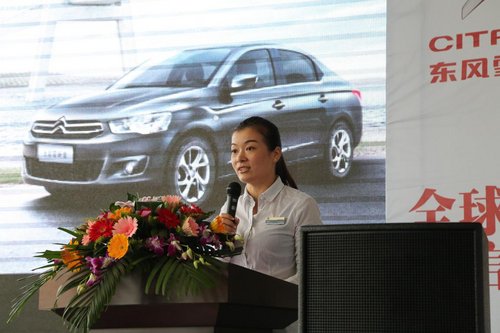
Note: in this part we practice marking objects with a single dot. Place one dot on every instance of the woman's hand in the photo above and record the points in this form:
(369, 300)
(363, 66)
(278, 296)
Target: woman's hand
(225, 223)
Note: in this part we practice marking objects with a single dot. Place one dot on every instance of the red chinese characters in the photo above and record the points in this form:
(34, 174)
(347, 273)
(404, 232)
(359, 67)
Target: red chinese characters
(465, 69)
(482, 208)
(474, 206)
(469, 69)
(440, 203)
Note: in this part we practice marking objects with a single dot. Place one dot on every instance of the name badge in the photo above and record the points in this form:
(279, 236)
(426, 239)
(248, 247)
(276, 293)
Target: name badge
(276, 220)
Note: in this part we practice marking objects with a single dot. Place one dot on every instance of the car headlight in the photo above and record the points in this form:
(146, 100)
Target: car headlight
(142, 124)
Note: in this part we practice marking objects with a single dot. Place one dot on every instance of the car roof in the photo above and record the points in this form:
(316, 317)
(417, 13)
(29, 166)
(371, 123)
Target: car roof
(241, 46)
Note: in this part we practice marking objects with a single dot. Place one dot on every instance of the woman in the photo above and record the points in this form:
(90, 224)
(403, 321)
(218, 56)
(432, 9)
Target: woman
(271, 209)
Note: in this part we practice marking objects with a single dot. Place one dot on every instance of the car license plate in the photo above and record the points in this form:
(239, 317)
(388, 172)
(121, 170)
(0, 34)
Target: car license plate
(55, 153)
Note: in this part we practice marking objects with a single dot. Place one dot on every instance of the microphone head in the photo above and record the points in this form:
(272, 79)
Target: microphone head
(234, 189)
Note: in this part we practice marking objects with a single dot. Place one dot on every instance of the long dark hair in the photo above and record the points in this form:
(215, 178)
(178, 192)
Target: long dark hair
(272, 138)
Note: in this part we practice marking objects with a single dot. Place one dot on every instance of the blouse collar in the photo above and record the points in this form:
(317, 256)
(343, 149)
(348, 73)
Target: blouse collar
(269, 194)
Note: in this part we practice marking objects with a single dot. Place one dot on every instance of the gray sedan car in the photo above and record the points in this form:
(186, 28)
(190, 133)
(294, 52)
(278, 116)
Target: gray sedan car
(166, 125)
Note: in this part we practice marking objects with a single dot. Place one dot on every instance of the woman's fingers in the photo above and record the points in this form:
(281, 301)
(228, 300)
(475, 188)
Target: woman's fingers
(230, 223)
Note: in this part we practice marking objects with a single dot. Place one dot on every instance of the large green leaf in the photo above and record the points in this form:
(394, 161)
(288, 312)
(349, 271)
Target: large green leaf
(29, 290)
(154, 271)
(165, 274)
(85, 309)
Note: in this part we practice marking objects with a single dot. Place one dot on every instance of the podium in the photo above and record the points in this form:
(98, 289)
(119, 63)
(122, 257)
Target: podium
(244, 301)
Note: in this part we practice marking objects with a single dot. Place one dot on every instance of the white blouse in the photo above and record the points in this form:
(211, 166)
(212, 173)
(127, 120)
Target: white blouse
(272, 235)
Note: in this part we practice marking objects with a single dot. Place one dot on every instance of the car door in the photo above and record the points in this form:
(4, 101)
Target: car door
(300, 105)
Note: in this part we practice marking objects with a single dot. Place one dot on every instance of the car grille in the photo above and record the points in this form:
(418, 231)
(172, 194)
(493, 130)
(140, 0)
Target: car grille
(67, 129)
(78, 171)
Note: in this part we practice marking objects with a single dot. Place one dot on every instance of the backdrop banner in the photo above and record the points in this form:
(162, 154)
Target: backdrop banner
(443, 118)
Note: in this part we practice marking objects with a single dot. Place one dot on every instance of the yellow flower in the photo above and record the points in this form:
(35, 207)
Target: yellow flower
(118, 246)
(71, 257)
(120, 212)
(217, 225)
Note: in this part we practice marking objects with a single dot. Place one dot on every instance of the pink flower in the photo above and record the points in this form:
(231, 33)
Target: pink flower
(190, 227)
(125, 225)
(171, 200)
(144, 212)
(86, 240)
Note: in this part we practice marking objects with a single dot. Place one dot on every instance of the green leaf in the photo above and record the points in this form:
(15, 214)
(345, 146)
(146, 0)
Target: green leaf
(132, 197)
(85, 309)
(181, 282)
(203, 276)
(51, 265)
(72, 282)
(152, 274)
(165, 274)
(140, 260)
(47, 254)
(71, 232)
(29, 290)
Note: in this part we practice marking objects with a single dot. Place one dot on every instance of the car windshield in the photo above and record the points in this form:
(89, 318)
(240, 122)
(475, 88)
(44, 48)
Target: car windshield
(192, 68)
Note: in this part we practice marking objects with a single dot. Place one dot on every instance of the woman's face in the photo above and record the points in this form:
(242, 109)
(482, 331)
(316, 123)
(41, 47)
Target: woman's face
(251, 159)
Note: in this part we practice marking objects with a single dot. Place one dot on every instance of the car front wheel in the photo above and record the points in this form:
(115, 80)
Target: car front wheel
(339, 152)
(191, 172)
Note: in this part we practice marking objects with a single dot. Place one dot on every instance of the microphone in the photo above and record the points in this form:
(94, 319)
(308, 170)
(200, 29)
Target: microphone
(233, 191)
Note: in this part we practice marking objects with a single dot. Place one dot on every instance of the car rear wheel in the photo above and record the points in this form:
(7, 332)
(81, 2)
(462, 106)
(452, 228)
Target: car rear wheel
(191, 172)
(339, 152)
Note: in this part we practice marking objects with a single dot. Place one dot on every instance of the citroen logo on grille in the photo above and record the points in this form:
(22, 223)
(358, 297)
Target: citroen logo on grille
(59, 125)
(63, 127)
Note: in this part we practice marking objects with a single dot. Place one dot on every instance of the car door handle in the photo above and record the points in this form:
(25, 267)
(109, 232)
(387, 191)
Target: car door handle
(278, 105)
(322, 98)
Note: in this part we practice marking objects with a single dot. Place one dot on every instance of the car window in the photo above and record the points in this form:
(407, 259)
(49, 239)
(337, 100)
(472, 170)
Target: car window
(296, 67)
(186, 75)
(192, 68)
(255, 62)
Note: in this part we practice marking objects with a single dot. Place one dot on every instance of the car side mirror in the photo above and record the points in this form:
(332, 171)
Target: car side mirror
(238, 83)
(243, 82)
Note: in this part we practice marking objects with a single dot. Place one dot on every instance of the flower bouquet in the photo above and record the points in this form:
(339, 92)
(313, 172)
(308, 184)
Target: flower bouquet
(164, 238)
